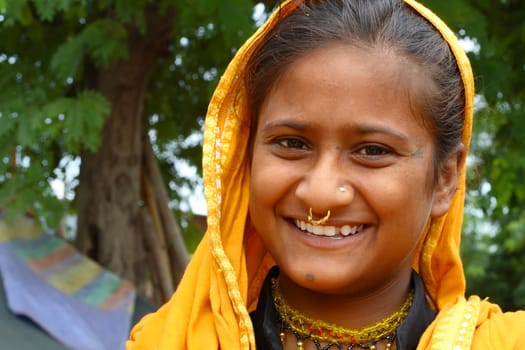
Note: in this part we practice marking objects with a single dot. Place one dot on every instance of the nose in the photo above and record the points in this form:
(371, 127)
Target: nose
(326, 185)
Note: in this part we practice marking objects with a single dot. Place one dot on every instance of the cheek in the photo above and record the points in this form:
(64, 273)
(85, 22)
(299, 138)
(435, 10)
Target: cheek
(264, 196)
(271, 177)
(404, 198)
(258, 180)
(416, 207)
(265, 184)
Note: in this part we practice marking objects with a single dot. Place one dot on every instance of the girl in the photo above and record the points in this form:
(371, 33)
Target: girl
(334, 167)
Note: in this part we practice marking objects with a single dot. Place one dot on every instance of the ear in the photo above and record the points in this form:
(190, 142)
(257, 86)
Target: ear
(447, 181)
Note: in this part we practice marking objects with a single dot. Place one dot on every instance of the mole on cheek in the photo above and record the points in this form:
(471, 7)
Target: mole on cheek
(310, 277)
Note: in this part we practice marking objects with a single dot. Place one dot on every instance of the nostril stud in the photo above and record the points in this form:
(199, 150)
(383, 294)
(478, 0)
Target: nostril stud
(342, 189)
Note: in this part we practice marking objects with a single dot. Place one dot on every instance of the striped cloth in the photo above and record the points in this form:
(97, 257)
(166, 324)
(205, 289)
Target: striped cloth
(75, 300)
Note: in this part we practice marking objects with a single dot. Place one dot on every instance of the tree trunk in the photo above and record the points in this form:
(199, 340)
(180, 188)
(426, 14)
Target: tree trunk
(114, 218)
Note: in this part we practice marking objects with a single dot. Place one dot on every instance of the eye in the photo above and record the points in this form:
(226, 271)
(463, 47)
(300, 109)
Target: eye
(374, 155)
(373, 151)
(291, 143)
(290, 147)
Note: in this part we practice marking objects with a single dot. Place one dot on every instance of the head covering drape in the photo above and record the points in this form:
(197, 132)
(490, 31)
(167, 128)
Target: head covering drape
(210, 309)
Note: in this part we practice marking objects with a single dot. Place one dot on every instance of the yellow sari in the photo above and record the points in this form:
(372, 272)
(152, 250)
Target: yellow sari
(210, 309)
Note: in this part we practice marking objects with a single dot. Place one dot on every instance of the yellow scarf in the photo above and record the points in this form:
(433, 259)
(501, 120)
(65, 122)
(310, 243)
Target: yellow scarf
(210, 309)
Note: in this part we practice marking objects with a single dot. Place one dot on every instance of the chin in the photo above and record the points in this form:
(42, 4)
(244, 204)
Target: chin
(325, 281)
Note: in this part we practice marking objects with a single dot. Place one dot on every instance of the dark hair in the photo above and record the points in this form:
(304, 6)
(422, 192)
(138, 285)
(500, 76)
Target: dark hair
(367, 24)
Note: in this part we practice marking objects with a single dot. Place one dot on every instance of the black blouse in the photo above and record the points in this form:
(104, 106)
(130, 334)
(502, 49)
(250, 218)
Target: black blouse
(265, 317)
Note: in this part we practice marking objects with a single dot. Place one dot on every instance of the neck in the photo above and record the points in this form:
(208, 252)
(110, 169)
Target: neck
(353, 309)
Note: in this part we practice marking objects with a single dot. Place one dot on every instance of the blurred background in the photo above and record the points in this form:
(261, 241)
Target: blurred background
(101, 113)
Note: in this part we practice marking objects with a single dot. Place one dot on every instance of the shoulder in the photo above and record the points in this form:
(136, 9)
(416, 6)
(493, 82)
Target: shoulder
(475, 324)
(502, 330)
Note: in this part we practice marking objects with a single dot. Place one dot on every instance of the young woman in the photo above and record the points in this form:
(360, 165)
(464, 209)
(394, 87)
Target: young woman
(334, 161)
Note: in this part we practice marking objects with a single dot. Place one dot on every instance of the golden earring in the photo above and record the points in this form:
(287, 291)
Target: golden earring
(321, 221)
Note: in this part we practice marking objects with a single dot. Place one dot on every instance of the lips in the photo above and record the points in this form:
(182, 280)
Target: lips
(328, 231)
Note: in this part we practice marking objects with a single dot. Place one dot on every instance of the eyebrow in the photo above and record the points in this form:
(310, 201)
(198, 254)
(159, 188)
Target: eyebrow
(382, 130)
(364, 130)
(286, 123)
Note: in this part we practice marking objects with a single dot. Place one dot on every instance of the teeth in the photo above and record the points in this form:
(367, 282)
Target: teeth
(328, 231)
(318, 230)
(346, 230)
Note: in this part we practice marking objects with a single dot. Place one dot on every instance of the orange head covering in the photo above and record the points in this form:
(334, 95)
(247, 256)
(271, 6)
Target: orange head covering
(222, 282)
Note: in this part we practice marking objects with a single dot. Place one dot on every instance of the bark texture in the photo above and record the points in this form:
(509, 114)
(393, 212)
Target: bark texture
(118, 222)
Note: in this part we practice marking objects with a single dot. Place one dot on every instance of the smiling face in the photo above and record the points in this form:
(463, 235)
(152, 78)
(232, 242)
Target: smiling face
(342, 117)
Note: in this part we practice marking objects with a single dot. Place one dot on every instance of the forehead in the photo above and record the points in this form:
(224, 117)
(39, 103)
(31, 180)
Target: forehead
(380, 63)
(371, 77)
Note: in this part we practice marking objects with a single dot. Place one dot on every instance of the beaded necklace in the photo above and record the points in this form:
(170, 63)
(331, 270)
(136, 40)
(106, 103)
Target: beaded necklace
(318, 331)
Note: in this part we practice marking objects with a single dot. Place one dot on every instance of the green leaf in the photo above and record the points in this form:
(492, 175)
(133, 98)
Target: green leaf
(84, 118)
(46, 9)
(84, 121)
(131, 12)
(68, 59)
(7, 126)
(105, 41)
(15, 10)
(25, 135)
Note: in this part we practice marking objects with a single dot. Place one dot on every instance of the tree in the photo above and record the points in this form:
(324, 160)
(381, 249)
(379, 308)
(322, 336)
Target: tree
(117, 84)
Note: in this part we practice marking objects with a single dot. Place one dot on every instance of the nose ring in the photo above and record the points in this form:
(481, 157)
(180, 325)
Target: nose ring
(341, 189)
(321, 221)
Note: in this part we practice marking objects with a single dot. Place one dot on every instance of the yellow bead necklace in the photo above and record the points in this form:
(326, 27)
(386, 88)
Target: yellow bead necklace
(318, 331)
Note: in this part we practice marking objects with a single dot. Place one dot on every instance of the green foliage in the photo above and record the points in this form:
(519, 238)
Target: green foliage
(50, 54)
(494, 240)
(44, 115)
(47, 9)
(131, 11)
(68, 59)
(25, 189)
(103, 41)
(82, 119)
(203, 43)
